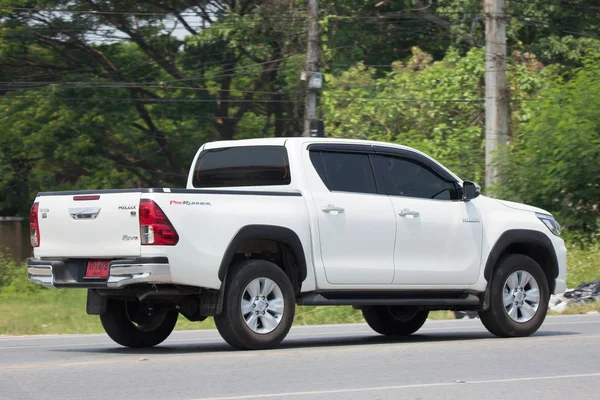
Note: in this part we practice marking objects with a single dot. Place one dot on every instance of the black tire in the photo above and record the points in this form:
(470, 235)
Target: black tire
(129, 324)
(231, 323)
(496, 318)
(394, 320)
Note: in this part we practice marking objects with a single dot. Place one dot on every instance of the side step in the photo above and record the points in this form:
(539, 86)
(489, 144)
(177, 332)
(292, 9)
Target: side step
(426, 299)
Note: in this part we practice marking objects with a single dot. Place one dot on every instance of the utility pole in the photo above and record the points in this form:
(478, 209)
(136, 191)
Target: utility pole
(314, 80)
(496, 91)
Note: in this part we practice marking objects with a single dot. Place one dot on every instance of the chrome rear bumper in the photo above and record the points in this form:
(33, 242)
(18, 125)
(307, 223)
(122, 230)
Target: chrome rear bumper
(69, 273)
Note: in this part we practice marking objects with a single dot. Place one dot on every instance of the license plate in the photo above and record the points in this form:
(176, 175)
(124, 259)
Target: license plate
(97, 269)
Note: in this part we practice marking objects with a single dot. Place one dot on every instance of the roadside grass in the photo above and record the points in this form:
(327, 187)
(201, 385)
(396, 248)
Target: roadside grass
(583, 263)
(588, 308)
(63, 311)
(57, 312)
(27, 309)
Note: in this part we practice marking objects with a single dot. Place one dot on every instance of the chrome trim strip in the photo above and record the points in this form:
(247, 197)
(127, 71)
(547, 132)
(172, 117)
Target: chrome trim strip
(122, 275)
(41, 274)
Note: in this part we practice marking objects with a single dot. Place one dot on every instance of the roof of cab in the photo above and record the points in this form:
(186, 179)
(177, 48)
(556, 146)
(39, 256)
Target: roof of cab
(295, 141)
(299, 141)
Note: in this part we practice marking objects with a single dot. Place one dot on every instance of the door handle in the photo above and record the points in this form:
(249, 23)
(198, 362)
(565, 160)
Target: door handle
(84, 213)
(331, 209)
(406, 212)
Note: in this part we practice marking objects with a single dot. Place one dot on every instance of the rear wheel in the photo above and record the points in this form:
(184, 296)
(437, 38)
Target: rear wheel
(135, 324)
(259, 306)
(519, 297)
(394, 320)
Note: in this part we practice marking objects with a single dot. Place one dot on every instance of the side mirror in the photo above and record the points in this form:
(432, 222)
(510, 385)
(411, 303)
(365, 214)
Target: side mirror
(470, 190)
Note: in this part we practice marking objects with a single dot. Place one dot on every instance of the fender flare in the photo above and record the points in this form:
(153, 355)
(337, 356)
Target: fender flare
(265, 232)
(520, 236)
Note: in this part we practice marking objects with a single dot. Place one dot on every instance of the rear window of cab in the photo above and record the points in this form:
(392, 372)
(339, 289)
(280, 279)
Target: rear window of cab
(242, 166)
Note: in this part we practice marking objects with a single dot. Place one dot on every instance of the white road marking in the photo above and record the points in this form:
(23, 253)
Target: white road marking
(398, 387)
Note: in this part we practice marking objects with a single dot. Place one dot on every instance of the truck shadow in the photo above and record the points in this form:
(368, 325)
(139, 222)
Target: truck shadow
(217, 345)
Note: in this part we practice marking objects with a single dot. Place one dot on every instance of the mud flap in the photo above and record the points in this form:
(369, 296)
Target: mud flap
(96, 304)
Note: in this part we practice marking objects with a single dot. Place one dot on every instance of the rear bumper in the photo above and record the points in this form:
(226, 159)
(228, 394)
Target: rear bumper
(69, 273)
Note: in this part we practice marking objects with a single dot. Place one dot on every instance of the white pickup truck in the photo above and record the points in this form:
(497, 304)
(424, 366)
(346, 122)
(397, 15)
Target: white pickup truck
(266, 224)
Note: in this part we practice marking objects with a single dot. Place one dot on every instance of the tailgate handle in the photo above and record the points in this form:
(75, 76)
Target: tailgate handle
(84, 212)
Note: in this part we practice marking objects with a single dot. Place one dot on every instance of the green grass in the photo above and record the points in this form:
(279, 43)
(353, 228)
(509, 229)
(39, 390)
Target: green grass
(580, 309)
(583, 263)
(63, 311)
(57, 311)
(27, 309)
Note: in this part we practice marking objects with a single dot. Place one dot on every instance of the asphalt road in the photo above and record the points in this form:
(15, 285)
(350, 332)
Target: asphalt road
(445, 360)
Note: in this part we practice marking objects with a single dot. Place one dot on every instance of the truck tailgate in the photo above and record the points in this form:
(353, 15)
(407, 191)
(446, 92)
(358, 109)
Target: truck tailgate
(88, 224)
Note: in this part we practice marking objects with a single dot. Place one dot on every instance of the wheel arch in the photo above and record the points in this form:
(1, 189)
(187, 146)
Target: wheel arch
(531, 243)
(274, 233)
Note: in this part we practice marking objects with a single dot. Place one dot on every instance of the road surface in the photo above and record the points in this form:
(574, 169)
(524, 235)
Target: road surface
(455, 359)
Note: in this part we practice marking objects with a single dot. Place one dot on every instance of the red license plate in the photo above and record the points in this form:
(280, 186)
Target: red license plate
(97, 269)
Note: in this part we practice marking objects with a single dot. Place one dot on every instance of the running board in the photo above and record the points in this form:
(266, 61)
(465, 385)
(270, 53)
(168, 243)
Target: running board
(396, 299)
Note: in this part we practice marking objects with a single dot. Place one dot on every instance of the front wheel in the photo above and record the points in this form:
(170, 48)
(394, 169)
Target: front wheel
(394, 320)
(258, 309)
(133, 324)
(519, 297)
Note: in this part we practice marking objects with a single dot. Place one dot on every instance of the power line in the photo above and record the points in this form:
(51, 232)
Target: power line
(149, 100)
(125, 85)
(528, 21)
(356, 15)
(180, 100)
(114, 12)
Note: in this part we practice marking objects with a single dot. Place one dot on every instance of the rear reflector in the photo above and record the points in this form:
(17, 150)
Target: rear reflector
(34, 227)
(155, 227)
(83, 198)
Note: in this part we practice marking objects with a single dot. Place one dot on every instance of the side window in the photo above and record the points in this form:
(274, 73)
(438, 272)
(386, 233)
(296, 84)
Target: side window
(345, 172)
(404, 177)
(242, 166)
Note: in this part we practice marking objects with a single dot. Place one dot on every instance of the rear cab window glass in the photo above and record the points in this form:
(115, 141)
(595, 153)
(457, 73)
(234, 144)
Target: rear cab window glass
(242, 166)
(345, 172)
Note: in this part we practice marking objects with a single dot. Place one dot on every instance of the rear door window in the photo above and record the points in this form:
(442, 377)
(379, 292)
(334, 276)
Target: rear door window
(242, 166)
(345, 172)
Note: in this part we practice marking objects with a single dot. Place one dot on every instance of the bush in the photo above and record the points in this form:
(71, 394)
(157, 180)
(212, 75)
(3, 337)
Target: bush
(13, 277)
(553, 160)
(583, 260)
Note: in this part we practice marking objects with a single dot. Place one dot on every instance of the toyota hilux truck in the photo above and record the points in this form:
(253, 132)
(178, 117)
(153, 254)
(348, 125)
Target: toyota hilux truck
(267, 224)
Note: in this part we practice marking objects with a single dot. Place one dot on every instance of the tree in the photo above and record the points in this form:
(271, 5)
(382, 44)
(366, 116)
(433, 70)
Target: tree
(553, 160)
(436, 107)
(113, 93)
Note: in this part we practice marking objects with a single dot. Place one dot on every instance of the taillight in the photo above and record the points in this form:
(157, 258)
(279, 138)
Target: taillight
(34, 227)
(155, 227)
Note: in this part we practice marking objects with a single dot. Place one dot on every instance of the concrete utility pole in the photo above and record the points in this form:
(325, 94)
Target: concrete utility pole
(313, 79)
(496, 91)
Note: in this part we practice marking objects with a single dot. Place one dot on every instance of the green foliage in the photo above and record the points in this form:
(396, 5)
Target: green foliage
(124, 99)
(583, 262)
(553, 161)
(436, 107)
(13, 278)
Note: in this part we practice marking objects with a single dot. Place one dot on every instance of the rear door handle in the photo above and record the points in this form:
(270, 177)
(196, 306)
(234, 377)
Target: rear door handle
(331, 209)
(406, 212)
